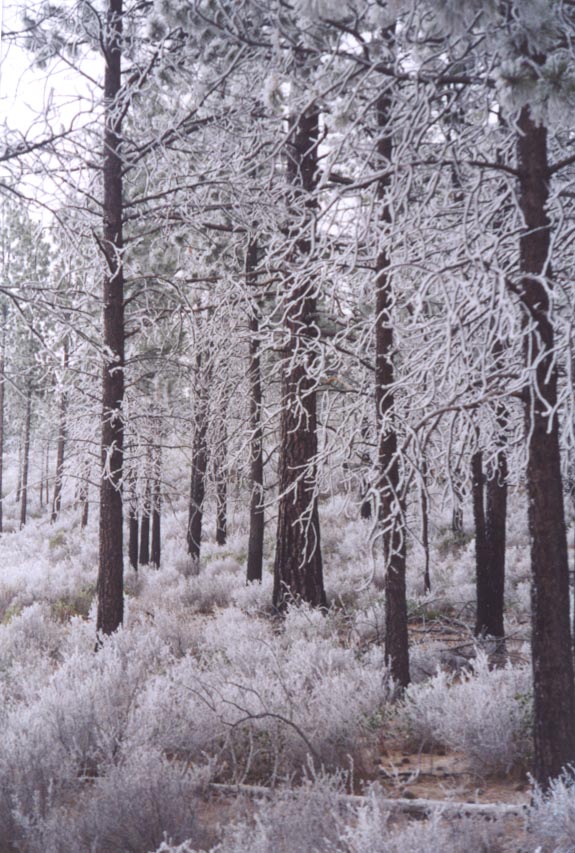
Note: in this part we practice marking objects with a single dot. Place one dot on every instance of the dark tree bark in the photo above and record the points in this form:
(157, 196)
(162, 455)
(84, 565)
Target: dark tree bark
(425, 527)
(481, 574)
(298, 568)
(221, 510)
(199, 464)
(145, 525)
(133, 525)
(221, 478)
(133, 535)
(391, 504)
(57, 501)
(156, 549)
(553, 686)
(84, 493)
(26, 456)
(256, 536)
(111, 567)
(2, 381)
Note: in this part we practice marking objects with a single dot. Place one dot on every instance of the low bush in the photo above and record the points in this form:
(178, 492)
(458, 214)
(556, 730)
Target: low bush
(484, 713)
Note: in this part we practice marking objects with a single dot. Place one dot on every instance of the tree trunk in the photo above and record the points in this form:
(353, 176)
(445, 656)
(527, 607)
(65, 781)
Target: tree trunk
(199, 466)
(156, 550)
(2, 381)
(57, 502)
(133, 525)
(298, 568)
(133, 534)
(26, 457)
(553, 687)
(84, 494)
(483, 591)
(425, 527)
(256, 537)
(391, 503)
(111, 568)
(145, 524)
(221, 478)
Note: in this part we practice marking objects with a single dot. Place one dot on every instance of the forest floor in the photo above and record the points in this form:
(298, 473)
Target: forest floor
(202, 676)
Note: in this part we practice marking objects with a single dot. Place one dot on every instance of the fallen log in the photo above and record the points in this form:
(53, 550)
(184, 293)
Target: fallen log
(415, 807)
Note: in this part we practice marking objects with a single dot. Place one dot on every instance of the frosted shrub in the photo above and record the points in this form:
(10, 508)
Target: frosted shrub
(319, 817)
(265, 702)
(551, 817)
(307, 819)
(134, 807)
(486, 714)
(29, 633)
(80, 721)
(369, 831)
(254, 597)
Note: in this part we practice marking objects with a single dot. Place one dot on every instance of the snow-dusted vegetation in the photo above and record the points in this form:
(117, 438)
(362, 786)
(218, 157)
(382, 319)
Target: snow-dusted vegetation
(120, 750)
(287, 425)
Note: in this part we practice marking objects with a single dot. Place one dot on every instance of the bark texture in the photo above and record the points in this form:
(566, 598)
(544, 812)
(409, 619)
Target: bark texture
(298, 568)
(199, 465)
(554, 690)
(61, 448)
(26, 456)
(391, 505)
(256, 536)
(111, 567)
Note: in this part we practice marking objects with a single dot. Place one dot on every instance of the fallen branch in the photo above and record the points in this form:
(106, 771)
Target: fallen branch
(417, 808)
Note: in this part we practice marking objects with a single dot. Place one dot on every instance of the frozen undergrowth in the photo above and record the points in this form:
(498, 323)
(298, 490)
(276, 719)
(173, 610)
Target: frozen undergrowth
(484, 713)
(551, 818)
(316, 818)
(201, 674)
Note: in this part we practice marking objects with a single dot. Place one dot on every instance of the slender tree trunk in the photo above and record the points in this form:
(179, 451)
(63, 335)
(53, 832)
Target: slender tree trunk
(257, 521)
(84, 494)
(199, 465)
(221, 508)
(553, 685)
(156, 551)
(391, 504)
(298, 568)
(41, 483)
(483, 591)
(145, 524)
(19, 482)
(57, 502)
(26, 457)
(111, 568)
(133, 525)
(2, 381)
(425, 527)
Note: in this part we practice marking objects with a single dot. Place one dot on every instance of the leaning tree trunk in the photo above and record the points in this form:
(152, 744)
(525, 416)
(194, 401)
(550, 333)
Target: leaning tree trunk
(57, 501)
(26, 457)
(391, 503)
(2, 381)
(256, 536)
(298, 568)
(553, 686)
(111, 567)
